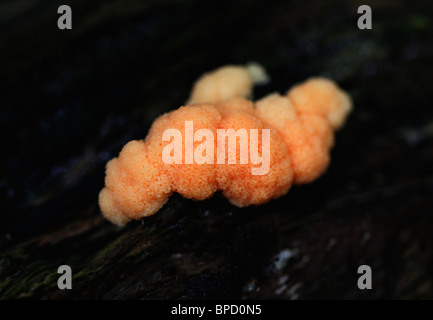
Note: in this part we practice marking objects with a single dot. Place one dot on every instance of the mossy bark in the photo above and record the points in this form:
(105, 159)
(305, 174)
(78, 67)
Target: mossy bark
(72, 99)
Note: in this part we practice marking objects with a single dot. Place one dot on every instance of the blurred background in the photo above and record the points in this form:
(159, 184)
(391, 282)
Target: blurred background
(70, 99)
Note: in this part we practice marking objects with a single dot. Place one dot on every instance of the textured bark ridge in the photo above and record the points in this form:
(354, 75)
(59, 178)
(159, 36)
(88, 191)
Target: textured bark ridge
(72, 98)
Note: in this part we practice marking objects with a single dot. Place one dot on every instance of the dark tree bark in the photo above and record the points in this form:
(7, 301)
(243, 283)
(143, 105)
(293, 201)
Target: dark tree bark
(71, 99)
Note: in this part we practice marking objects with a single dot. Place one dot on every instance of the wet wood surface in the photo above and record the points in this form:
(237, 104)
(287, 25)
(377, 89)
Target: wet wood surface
(71, 99)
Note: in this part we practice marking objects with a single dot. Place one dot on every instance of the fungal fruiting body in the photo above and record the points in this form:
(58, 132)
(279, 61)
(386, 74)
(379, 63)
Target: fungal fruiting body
(300, 124)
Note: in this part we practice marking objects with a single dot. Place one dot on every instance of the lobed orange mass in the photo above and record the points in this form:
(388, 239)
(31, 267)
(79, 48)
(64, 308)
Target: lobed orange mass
(301, 123)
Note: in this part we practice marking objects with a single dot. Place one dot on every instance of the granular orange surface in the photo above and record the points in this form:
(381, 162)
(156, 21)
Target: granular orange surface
(301, 123)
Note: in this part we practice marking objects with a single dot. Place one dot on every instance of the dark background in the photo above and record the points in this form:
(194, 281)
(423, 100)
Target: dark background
(70, 99)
